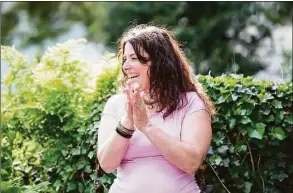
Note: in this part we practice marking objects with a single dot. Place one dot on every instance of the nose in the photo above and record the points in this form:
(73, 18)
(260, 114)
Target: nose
(126, 66)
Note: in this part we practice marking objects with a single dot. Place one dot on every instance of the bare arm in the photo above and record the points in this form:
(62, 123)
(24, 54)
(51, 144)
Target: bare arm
(111, 146)
(190, 152)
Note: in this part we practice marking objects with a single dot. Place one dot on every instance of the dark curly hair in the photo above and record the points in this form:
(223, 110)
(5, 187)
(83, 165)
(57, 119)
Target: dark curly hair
(169, 72)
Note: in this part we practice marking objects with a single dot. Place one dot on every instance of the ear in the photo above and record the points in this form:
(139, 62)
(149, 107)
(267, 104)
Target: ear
(149, 63)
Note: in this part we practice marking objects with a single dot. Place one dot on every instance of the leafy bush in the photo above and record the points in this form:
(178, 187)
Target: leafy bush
(252, 135)
(50, 117)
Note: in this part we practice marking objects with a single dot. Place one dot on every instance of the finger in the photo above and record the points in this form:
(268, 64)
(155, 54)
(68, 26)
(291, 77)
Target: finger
(127, 94)
(129, 108)
(128, 85)
(141, 94)
(128, 102)
(130, 89)
(129, 82)
(135, 88)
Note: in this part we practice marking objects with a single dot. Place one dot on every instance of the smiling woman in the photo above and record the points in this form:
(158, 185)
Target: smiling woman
(135, 69)
(158, 131)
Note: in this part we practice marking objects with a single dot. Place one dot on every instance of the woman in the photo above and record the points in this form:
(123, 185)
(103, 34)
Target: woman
(158, 132)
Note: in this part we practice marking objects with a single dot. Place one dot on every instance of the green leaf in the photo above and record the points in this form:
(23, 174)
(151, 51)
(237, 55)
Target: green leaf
(268, 96)
(223, 149)
(265, 111)
(218, 160)
(226, 162)
(64, 152)
(75, 151)
(240, 148)
(289, 119)
(277, 104)
(247, 187)
(234, 97)
(70, 186)
(232, 123)
(9, 187)
(279, 133)
(57, 184)
(222, 98)
(91, 154)
(236, 162)
(257, 132)
(80, 187)
(26, 191)
(281, 176)
(218, 138)
(106, 190)
(245, 120)
(280, 116)
(271, 118)
(88, 169)
(243, 112)
(81, 164)
(95, 177)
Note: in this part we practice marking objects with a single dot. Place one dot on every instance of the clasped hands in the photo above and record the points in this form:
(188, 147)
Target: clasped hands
(136, 115)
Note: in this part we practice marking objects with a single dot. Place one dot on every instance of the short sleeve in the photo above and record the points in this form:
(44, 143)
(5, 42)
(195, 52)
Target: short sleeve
(110, 106)
(195, 103)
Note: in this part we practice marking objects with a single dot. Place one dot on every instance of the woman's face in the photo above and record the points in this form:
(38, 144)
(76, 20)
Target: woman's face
(134, 69)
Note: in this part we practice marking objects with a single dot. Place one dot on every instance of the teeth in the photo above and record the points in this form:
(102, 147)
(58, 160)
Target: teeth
(133, 75)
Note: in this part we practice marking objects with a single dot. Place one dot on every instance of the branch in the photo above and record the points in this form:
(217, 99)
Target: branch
(218, 178)
(230, 142)
(263, 183)
(251, 158)
(244, 158)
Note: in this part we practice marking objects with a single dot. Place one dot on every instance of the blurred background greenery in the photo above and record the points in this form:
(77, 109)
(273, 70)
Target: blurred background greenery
(49, 123)
(250, 38)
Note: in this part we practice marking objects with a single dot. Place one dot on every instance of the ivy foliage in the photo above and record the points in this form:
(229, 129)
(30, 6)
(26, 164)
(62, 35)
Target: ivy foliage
(50, 118)
(252, 135)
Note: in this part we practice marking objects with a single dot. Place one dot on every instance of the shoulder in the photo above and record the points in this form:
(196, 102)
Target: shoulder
(192, 96)
(114, 102)
(116, 99)
(194, 102)
(114, 105)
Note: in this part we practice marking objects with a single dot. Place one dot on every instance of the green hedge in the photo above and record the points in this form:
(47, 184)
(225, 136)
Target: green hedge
(252, 133)
(252, 136)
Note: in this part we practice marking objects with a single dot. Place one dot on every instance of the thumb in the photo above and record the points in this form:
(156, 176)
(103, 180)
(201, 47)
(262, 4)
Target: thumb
(129, 108)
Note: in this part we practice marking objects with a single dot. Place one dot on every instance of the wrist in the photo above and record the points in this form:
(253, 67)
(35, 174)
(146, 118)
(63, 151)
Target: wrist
(125, 122)
(124, 132)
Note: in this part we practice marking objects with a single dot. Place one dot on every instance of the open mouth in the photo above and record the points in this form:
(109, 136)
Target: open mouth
(133, 76)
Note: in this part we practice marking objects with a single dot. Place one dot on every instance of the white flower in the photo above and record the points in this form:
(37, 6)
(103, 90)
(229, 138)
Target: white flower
(65, 53)
(13, 57)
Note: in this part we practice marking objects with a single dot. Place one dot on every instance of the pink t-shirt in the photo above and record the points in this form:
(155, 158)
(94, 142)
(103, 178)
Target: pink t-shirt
(143, 168)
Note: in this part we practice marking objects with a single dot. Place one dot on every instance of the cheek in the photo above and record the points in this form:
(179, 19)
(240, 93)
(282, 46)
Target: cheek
(146, 79)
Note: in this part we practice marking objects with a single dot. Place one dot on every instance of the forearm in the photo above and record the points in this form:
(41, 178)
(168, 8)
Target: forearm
(112, 151)
(180, 154)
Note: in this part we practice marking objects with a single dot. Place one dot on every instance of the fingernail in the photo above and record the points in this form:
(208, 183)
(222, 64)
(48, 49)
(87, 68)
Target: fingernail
(142, 93)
